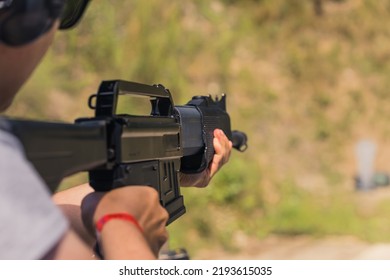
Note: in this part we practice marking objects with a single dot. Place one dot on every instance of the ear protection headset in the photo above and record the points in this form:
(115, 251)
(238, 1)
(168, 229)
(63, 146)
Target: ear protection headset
(22, 21)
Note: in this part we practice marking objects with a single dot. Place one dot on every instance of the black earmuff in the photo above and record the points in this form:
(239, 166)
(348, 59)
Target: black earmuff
(22, 21)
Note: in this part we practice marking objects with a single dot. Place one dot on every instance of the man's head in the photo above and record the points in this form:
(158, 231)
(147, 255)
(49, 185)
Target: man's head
(27, 28)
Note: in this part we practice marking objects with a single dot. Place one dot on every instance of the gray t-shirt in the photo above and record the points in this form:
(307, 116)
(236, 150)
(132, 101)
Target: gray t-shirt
(30, 223)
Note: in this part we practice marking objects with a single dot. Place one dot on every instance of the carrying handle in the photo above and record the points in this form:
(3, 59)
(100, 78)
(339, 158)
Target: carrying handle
(109, 91)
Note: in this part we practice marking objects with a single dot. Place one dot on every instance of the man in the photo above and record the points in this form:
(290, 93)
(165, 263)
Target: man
(31, 226)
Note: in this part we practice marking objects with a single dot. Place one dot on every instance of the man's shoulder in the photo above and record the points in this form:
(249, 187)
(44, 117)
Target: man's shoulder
(8, 142)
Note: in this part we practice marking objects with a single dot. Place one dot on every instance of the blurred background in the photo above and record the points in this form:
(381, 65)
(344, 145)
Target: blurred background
(307, 80)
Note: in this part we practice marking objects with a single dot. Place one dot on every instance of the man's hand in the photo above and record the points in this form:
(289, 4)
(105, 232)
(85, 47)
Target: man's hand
(223, 148)
(121, 239)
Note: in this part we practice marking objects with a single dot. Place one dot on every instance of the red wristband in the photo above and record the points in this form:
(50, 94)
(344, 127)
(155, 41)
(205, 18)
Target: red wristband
(120, 216)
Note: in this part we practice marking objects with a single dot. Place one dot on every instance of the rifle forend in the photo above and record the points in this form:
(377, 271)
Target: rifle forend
(122, 149)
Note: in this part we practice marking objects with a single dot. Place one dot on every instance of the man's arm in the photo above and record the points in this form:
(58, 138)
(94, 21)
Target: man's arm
(69, 202)
(116, 234)
(147, 232)
(70, 247)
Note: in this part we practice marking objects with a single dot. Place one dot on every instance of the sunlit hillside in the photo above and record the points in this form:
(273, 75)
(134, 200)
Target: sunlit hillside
(305, 85)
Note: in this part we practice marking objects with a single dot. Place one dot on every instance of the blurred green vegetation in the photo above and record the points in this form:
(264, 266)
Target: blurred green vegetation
(304, 86)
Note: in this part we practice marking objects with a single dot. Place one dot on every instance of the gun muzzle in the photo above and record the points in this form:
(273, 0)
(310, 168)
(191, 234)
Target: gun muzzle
(239, 140)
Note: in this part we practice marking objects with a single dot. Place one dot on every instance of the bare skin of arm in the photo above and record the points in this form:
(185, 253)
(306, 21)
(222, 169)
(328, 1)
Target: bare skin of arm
(69, 202)
(112, 234)
(70, 247)
(151, 216)
(116, 233)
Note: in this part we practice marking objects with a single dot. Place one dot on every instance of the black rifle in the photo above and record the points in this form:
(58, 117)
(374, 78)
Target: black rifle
(120, 150)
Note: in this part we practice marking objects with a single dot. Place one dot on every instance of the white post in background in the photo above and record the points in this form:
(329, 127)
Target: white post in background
(365, 155)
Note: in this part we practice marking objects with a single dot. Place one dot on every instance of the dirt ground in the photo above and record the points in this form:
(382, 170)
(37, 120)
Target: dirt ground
(304, 248)
(308, 247)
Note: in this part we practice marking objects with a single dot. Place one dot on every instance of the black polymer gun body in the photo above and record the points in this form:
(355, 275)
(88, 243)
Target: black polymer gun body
(122, 149)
